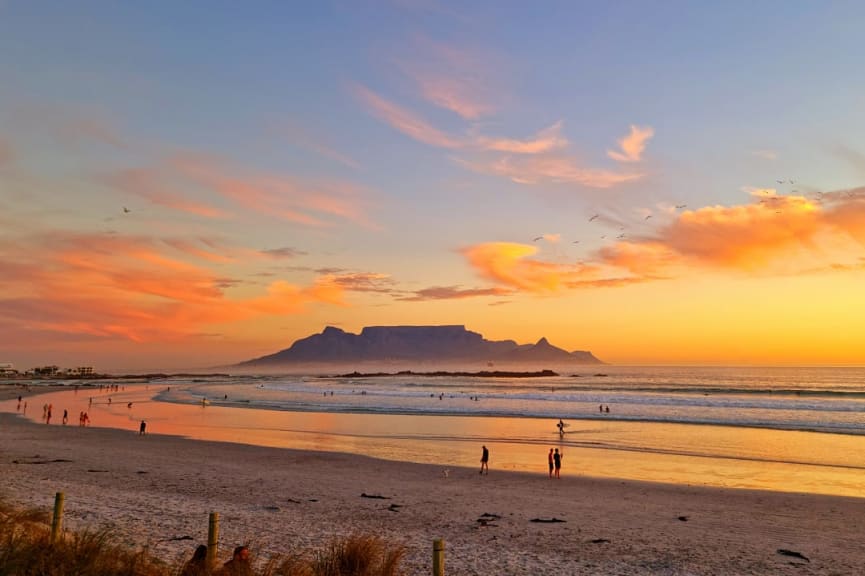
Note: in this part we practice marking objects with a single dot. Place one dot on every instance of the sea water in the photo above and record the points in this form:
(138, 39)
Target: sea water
(787, 429)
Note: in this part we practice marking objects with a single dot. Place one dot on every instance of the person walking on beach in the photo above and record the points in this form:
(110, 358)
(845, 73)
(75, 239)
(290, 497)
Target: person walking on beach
(557, 460)
(142, 430)
(485, 459)
(65, 417)
(550, 458)
(561, 427)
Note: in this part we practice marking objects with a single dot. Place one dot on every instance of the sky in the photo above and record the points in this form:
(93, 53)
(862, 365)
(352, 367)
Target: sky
(193, 184)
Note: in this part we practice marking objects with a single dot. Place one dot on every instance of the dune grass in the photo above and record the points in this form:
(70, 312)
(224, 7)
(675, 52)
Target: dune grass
(26, 550)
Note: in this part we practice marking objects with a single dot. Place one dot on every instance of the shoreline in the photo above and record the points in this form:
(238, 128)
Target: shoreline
(154, 488)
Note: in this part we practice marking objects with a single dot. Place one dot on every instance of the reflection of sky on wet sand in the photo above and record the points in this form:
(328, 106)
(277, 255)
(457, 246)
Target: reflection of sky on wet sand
(674, 453)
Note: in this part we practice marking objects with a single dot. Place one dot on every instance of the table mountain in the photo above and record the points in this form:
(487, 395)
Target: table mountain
(416, 343)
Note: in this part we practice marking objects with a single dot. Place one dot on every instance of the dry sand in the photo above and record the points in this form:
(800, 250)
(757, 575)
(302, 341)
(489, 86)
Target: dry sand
(155, 489)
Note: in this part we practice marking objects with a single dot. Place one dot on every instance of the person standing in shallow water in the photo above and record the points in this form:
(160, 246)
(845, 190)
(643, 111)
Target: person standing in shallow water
(557, 460)
(485, 459)
(550, 458)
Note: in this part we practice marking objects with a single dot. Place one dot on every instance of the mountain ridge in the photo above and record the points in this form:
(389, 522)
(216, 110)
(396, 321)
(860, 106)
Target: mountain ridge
(406, 344)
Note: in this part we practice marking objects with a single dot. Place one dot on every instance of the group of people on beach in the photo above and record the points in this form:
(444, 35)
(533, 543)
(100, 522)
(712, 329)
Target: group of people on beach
(555, 459)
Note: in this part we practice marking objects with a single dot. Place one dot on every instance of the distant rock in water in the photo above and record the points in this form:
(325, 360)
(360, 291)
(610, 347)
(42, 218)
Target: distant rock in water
(412, 344)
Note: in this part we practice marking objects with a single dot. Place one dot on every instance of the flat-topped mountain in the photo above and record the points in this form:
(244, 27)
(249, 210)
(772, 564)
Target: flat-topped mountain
(440, 344)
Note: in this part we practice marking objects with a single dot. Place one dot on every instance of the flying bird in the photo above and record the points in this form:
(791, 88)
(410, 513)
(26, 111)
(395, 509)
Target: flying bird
(680, 206)
(575, 242)
(647, 217)
(779, 181)
(126, 210)
(537, 238)
(595, 217)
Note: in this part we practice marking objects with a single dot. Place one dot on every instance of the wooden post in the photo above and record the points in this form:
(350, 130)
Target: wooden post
(438, 557)
(57, 524)
(213, 540)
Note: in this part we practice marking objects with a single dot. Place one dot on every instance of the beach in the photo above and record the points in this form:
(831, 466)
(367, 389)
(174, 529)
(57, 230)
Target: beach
(158, 490)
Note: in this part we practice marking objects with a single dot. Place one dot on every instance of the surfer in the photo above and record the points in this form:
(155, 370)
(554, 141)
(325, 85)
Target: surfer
(561, 427)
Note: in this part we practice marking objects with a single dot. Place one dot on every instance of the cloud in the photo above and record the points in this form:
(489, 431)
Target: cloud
(303, 139)
(510, 264)
(765, 154)
(453, 293)
(133, 288)
(405, 121)
(550, 169)
(547, 140)
(179, 181)
(282, 253)
(772, 235)
(451, 78)
(362, 282)
(632, 145)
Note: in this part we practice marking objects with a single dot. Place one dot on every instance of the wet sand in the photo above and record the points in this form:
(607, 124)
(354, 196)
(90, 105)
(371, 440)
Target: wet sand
(155, 489)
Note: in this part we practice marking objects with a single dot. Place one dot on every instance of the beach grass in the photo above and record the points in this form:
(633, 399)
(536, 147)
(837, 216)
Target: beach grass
(26, 550)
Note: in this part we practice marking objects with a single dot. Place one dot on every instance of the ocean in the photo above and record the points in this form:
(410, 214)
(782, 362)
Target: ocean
(783, 429)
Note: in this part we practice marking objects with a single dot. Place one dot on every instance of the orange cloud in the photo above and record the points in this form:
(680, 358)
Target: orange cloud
(404, 121)
(134, 288)
(632, 145)
(511, 264)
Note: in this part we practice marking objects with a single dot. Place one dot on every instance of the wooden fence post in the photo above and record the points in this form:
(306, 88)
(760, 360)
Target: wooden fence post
(213, 540)
(57, 524)
(439, 557)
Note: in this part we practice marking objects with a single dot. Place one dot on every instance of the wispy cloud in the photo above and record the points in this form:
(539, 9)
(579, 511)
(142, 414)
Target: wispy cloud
(303, 139)
(455, 79)
(546, 140)
(210, 188)
(550, 169)
(632, 145)
(285, 252)
(405, 121)
(765, 154)
(453, 293)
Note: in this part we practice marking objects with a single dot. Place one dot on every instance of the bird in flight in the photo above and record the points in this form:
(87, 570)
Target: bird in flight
(595, 217)
(126, 210)
(575, 242)
(537, 238)
(779, 181)
(647, 217)
(680, 206)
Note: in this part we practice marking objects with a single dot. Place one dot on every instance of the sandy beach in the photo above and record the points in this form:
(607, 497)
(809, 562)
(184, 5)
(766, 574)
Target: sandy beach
(158, 490)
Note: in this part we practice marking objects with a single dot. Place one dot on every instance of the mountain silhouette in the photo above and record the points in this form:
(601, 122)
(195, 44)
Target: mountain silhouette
(440, 344)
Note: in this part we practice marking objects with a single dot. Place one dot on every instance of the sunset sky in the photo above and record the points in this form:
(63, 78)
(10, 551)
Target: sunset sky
(191, 184)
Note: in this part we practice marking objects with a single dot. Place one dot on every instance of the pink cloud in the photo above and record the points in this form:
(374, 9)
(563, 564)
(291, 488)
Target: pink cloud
(173, 183)
(549, 169)
(547, 140)
(632, 145)
(404, 121)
